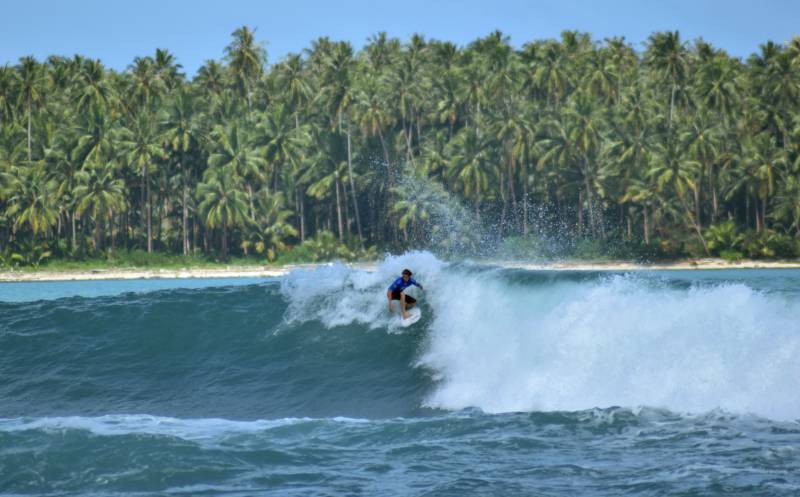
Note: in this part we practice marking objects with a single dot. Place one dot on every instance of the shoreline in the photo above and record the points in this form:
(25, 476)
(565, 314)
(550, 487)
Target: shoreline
(678, 265)
(277, 271)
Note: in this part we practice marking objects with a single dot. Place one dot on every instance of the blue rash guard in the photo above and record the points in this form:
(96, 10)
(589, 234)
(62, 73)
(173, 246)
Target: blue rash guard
(400, 285)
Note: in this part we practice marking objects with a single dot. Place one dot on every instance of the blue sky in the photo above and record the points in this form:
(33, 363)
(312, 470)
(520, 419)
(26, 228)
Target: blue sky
(195, 31)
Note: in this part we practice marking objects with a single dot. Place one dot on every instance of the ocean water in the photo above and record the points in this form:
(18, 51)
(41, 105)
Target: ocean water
(514, 383)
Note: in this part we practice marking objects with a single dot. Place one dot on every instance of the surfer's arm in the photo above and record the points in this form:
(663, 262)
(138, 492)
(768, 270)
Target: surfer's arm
(413, 282)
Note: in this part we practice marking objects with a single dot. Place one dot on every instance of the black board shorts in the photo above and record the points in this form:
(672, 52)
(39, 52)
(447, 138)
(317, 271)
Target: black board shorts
(409, 298)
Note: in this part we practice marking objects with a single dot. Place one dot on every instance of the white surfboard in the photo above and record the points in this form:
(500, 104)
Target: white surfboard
(413, 316)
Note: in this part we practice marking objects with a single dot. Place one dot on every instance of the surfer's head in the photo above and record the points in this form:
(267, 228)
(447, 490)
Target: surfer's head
(406, 274)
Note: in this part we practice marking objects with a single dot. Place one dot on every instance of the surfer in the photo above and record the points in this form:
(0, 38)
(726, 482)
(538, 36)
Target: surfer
(397, 291)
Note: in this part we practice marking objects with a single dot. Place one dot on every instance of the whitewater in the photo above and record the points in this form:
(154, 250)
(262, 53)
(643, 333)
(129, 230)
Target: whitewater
(515, 382)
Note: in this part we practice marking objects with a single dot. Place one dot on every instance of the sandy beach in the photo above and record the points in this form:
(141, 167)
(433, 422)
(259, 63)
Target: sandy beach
(273, 271)
(686, 264)
(134, 273)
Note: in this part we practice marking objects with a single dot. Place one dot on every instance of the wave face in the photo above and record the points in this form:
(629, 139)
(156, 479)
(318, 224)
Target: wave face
(305, 384)
(514, 340)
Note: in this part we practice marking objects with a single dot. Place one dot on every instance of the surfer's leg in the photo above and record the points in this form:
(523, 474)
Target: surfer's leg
(403, 309)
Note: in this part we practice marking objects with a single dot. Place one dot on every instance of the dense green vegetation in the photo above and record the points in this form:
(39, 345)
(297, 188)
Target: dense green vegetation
(567, 146)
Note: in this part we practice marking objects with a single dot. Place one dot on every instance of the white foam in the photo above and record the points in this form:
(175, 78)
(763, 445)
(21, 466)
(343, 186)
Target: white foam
(337, 295)
(616, 341)
(187, 429)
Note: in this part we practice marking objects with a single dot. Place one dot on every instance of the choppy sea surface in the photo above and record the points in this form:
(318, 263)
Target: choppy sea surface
(514, 383)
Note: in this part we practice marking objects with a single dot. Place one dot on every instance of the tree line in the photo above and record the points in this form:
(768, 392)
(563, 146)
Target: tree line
(678, 147)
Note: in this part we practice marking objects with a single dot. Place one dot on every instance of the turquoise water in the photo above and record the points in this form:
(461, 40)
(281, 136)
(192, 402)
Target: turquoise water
(514, 383)
(44, 290)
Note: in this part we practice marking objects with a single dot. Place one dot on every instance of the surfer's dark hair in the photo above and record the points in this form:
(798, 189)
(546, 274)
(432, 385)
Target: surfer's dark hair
(407, 271)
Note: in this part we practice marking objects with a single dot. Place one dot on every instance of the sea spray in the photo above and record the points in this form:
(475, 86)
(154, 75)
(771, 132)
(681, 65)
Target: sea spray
(337, 295)
(433, 218)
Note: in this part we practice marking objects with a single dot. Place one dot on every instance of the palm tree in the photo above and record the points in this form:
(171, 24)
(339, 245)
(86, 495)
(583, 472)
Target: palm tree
(233, 149)
(327, 175)
(280, 140)
(181, 134)
(702, 140)
(247, 58)
(787, 202)
(338, 92)
(100, 192)
(93, 90)
(8, 81)
(167, 70)
(448, 100)
(558, 152)
(292, 76)
(212, 81)
(670, 168)
(373, 117)
(33, 199)
(282, 145)
(31, 82)
(667, 55)
(550, 76)
(96, 143)
(63, 165)
(762, 158)
(718, 85)
(141, 144)
(145, 87)
(222, 202)
(271, 228)
(470, 166)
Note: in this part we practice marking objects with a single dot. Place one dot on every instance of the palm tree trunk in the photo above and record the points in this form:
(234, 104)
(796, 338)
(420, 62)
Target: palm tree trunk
(30, 111)
(353, 184)
(525, 206)
(149, 208)
(696, 191)
(385, 153)
(347, 220)
(111, 231)
(590, 204)
(408, 136)
(758, 218)
(339, 210)
(185, 222)
(185, 216)
(692, 224)
(299, 207)
(195, 234)
(646, 227)
(224, 237)
(747, 210)
(160, 230)
(714, 200)
(671, 105)
(74, 233)
(98, 235)
(630, 227)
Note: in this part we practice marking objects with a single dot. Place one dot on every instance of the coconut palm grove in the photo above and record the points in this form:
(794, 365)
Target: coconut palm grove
(570, 147)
